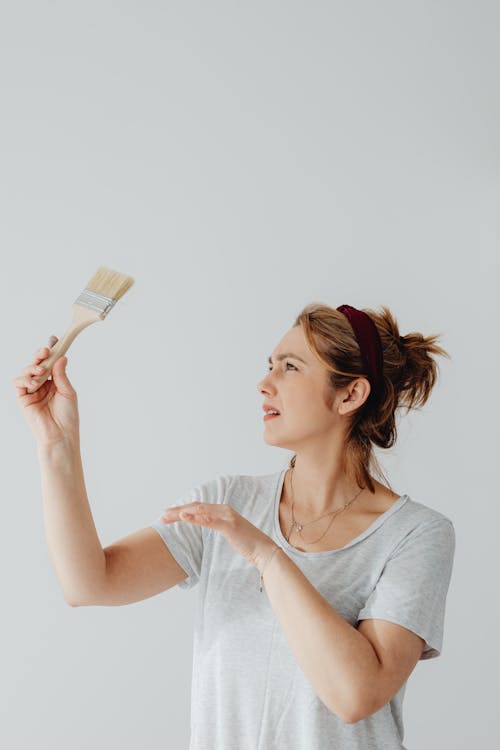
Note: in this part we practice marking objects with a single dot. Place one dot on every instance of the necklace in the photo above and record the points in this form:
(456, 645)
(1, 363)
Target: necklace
(299, 526)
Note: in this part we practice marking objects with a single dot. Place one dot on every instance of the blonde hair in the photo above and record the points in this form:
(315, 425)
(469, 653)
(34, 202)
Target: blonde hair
(409, 374)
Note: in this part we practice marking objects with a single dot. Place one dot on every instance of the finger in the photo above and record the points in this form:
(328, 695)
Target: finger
(33, 369)
(197, 512)
(44, 352)
(27, 382)
(186, 506)
(23, 389)
(20, 390)
(195, 516)
(170, 515)
(41, 354)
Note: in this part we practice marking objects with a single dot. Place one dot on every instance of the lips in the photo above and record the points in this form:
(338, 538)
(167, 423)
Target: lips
(270, 416)
(268, 407)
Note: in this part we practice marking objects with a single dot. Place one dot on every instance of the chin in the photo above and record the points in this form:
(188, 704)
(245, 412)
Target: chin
(276, 442)
(270, 440)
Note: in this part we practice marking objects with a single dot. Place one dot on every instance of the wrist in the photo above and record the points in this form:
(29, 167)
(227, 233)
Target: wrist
(264, 554)
(61, 447)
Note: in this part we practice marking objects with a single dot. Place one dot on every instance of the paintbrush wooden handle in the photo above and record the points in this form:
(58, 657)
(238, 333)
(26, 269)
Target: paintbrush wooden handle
(81, 318)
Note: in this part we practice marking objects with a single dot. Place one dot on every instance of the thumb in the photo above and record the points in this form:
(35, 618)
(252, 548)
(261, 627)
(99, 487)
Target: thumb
(60, 377)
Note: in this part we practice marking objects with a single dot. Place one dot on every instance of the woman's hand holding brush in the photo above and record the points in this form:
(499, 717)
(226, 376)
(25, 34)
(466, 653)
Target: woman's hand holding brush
(50, 407)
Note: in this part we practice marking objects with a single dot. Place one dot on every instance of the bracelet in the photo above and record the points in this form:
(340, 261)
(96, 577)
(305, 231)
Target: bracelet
(268, 559)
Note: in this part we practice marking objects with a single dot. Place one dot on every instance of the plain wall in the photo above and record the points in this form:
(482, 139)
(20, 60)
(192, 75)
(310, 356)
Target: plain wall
(239, 160)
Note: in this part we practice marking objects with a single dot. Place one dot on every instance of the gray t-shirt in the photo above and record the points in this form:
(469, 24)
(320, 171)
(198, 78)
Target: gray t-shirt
(248, 691)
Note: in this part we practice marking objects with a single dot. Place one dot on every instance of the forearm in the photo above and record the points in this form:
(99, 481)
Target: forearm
(337, 659)
(74, 547)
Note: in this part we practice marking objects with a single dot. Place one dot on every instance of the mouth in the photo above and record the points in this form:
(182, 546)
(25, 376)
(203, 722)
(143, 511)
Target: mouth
(271, 416)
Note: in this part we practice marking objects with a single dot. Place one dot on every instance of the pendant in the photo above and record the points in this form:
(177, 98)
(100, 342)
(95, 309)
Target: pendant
(298, 527)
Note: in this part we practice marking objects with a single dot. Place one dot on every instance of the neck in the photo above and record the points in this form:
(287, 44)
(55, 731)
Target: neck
(317, 489)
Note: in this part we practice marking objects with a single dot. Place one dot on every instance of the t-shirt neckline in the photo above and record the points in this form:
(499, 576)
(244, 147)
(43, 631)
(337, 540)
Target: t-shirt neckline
(290, 548)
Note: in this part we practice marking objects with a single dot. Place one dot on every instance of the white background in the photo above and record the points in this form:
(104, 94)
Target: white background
(239, 160)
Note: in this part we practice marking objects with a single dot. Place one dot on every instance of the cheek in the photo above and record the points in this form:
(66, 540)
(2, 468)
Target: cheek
(308, 411)
(305, 403)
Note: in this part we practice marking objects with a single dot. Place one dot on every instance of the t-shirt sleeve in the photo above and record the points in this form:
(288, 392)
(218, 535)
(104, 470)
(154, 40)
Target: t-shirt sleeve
(412, 588)
(186, 540)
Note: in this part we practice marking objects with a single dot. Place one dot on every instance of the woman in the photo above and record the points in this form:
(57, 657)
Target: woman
(355, 576)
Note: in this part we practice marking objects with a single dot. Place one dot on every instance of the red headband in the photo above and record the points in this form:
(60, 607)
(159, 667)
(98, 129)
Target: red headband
(369, 343)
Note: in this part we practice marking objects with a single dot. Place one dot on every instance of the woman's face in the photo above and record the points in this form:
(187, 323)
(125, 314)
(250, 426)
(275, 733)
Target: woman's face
(298, 390)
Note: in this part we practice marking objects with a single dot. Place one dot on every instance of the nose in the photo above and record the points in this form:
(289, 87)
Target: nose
(262, 385)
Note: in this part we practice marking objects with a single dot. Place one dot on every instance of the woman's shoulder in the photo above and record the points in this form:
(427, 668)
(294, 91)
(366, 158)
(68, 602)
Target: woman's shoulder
(224, 481)
(253, 482)
(423, 513)
(245, 490)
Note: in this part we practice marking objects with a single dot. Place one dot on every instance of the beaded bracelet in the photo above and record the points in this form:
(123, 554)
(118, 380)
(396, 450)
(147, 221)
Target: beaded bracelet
(268, 559)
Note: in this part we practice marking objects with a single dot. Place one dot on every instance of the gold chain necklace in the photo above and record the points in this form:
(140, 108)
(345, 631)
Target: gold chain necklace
(299, 527)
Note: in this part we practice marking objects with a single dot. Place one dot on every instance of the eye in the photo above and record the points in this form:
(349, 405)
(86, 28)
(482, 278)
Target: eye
(286, 363)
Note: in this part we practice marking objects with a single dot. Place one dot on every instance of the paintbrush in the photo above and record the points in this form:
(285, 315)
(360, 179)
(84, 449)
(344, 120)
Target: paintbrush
(95, 302)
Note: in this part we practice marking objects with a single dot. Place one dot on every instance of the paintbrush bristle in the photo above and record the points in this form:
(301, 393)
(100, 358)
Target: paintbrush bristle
(109, 283)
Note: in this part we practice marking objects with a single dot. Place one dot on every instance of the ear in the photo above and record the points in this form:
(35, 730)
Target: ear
(355, 395)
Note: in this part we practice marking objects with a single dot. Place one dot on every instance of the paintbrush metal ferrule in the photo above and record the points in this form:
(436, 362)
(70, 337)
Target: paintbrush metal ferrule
(98, 302)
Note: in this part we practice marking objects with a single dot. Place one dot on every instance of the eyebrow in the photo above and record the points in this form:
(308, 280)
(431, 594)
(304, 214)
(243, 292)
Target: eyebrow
(284, 356)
